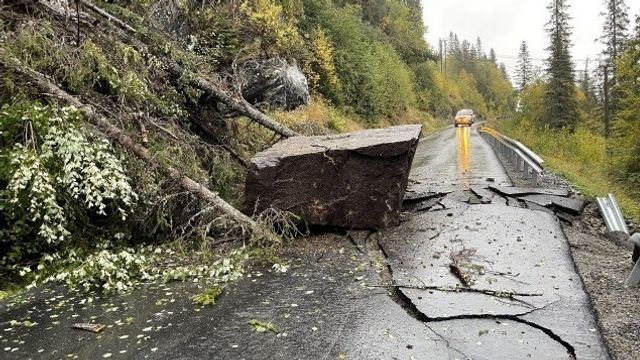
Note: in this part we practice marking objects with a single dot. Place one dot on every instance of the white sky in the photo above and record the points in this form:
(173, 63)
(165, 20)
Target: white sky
(504, 24)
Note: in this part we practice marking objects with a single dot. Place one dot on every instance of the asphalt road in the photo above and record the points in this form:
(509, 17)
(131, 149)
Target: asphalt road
(471, 273)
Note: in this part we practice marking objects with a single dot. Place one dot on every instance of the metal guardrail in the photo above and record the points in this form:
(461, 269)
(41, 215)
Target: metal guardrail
(611, 214)
(517, 154)
(615, 224)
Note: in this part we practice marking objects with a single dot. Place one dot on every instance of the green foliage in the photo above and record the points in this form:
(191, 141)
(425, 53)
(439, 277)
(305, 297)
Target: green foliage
(108, 271)
(321, 69)
(216, 37)
(225, 176)
(209, 296)
(119, 72)
(56, 180)
(405, 31)
(277, 30)
(375, 80)
(223, 269)
(626, 143)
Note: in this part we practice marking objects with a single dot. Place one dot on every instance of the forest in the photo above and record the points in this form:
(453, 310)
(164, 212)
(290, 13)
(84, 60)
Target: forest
(120, 162)
(590, 133)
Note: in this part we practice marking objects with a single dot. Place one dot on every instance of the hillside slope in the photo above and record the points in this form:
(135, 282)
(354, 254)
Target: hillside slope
(67, 195)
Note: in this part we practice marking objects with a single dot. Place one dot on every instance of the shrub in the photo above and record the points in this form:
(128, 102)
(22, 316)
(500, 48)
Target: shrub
(278, 32)
(374, 79)
(57, 180)
(106, 270)
(324, 76)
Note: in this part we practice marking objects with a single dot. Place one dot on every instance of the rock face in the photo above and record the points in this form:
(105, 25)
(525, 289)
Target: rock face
(355, 180)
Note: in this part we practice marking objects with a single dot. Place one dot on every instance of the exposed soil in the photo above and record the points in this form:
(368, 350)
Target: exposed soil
(603, 264)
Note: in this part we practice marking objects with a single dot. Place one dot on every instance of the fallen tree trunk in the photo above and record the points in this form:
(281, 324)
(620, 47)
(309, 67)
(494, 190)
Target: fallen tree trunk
(108, 16)
(240, 105)
(115, 133)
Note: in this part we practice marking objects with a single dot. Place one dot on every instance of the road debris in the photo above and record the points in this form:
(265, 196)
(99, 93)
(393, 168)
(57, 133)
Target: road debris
(262, 326)
(96, 328)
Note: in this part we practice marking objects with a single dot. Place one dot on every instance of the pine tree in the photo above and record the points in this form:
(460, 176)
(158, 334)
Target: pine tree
(492, 56)
(524, 71)
(560, 97)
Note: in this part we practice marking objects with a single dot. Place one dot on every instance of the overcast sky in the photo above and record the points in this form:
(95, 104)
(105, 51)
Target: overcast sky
(504, 24)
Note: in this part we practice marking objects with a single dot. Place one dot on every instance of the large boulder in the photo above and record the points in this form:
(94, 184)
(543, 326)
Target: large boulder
(274, 82)
(354, 180)
(170, 17)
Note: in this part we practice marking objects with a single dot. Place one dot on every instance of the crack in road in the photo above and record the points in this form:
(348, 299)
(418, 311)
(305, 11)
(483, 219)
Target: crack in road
(396, 294)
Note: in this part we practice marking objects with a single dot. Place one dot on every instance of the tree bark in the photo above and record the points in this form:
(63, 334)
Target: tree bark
(115, 133)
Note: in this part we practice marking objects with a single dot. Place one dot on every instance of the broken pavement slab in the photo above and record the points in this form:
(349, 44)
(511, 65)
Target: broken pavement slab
(573, 206)
(353, 180)
(521, 267)
(518, 191)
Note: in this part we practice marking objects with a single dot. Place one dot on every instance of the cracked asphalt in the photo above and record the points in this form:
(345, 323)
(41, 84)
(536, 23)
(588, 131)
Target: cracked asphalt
(471, 273)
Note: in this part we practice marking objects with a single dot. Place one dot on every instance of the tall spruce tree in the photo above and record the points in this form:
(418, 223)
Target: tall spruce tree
(560, 96)
(626, 148)
(615, 29)
(586, 84)
(524, 71)
(614, 37)
(480, 49)
(492, 56)
(503, 70)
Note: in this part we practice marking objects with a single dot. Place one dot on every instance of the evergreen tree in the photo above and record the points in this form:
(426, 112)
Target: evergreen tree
(480, 49)
(466, 48)
(614, 31)
(452, 44)
(560, 99)
(524, 71)
(492, 56)
(614, 36)
(586, 84)
(626, 148)
(503, 71)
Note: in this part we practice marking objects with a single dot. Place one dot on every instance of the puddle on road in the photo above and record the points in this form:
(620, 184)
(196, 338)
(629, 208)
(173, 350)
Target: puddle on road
(463, 136)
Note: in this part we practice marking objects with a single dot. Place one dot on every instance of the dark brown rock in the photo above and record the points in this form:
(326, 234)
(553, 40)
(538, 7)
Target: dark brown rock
(355, 180)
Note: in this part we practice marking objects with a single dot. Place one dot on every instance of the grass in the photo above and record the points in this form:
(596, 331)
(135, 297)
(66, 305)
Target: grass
(581, 158)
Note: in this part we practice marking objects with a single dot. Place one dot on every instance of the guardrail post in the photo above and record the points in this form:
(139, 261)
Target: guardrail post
(525, 171)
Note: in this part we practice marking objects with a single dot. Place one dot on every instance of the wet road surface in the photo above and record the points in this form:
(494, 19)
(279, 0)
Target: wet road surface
(471, 274)
(454, 159)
